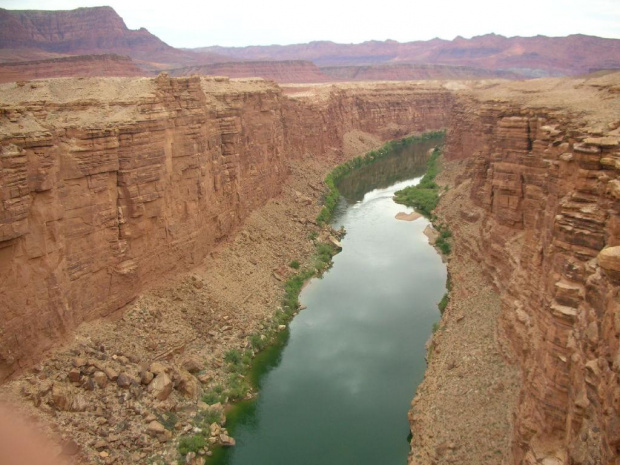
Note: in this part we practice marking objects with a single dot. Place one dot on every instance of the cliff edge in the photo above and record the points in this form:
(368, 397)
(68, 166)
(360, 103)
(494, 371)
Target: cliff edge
(533, 206)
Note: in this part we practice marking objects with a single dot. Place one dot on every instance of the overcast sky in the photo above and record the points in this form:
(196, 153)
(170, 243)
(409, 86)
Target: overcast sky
(192, 23)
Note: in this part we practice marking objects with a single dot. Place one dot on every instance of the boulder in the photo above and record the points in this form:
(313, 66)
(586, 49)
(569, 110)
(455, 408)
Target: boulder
(157, 367)
(155, 428)
(74, 375)
(188, 385)
(192, 364)
(110, 372)
(124, 380)
(609, 260)
(226, 440)
(100, 379)
(61, 398)
(161, 386)
(146, 377)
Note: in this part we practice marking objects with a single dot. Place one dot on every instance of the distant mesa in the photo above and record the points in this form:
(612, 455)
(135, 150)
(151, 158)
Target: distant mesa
(522, 56)
(412, 72)
(27, 35)
(290, 71)
(33, 36)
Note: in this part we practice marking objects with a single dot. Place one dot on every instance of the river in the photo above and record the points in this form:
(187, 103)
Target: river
(339, 390)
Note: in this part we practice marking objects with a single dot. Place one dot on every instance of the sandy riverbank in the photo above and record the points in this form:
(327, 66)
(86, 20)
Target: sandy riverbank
(408, 216)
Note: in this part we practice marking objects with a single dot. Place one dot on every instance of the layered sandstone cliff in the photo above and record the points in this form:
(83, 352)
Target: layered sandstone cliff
(109, 185)
(541, 178)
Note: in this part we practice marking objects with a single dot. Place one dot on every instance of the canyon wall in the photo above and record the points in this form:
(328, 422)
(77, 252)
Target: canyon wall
(547, 178)
(111, 185)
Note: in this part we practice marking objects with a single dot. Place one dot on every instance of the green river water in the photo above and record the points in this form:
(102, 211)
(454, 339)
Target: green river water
(337, 387)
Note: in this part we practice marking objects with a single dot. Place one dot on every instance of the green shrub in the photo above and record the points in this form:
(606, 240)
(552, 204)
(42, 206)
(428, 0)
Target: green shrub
(424, 196)
(238, 388)
(443, 245)
(233, 356)
(204, 418)
(443, 303)
(214, 395)
(193, 443)
(294, 264)
(423, 200)
(292, 288)
(168, 420)
(330, 200)
(258, 343)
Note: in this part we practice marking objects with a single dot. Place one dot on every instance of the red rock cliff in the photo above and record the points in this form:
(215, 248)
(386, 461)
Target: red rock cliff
(109, 185)
(546, 173)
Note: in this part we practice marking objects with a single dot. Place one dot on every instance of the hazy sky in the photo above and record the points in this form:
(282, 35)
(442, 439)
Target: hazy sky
(192, 23)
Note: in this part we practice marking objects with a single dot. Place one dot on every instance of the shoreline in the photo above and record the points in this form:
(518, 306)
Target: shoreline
(176, 330)
(402, 216)
(469, 373)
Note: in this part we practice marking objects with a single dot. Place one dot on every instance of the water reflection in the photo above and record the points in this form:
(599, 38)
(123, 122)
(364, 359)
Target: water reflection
(404, 163)
(339, 391)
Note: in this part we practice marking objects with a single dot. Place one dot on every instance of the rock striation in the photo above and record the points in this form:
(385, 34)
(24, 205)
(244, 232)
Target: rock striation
(74, 66)
(112, 185)
(544, 179)
(279, 71)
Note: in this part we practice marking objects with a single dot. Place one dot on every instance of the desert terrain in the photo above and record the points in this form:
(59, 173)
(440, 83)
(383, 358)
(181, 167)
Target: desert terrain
(148, 221)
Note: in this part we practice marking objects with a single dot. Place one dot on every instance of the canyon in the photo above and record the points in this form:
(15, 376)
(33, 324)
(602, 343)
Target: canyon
(114, 188)
(121, 181)
(146, 223)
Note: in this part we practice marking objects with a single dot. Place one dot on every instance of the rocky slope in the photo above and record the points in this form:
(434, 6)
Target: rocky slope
(279, 71)
(76, 66)
(540, 176)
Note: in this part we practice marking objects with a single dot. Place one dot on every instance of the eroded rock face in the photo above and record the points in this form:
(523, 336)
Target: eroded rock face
(550, 245)
(109, 185)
